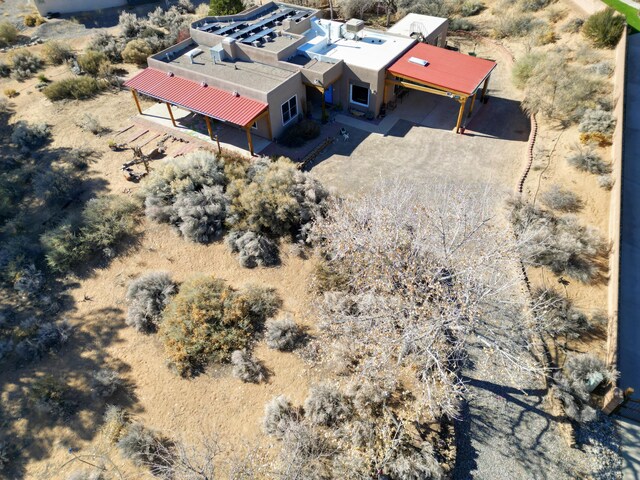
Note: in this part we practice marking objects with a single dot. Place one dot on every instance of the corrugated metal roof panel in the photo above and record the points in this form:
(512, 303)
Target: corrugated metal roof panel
(210, 101)
(446, 69)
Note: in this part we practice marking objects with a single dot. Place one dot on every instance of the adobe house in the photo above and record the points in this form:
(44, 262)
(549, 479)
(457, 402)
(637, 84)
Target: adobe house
(257, 69)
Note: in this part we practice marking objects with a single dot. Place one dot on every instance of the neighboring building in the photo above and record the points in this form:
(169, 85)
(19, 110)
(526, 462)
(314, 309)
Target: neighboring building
(262, 68)
(70, 6)
(431, 30)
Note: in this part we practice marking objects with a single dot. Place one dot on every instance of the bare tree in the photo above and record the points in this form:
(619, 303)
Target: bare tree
(426, 278)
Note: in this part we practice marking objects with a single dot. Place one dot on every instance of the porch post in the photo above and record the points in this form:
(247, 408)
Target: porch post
(208, 122)
(249, 139)
(135, 98)
(173, 120)
(473, 101)
(484, 90)
(463, 102)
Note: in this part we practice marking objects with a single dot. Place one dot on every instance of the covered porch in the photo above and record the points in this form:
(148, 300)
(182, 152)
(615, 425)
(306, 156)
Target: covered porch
(199, 100)
(439, 71)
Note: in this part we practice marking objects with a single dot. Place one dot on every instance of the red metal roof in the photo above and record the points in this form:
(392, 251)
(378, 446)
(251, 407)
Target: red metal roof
(446, 70)
(209, 101)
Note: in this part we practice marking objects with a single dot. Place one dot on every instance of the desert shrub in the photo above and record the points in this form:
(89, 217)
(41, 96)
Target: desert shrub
(604, 28)
(533, 5)
(5, 70)
(33, 20)
(57, 52)
(604, 68)
(587, 160)
(598, 125)
(207, 320)
(28, 281)
(555, 14)
(188, 193)
(471, 7)
(8, 33)
(50, 396)
(283, 334)
(456, 24)
(574, 90)
(105, 382)
(326, 405)
(605, 182)
(557, 316)
(75, 88)
(225, 7)
(103, 223)
(414, 463)
(275, 199)
(525, 67)
(91, 61)
(24, 64)
(11, 92)
(137, 51)
(108, 44)
(30, 136)
(6, 454)
(558, 198)
(573, 25)
(140, 445)
(185, 6)
(369, 395)
(148, 296)
(544, 35)
(129, 24)
(253, 249)
(278, 414)
(57, 185)
(89, 123)
(560, 243)
(300, 133)
(115, 422)
(37, 337)
(512, 24)
(572, 387)
(246, 367)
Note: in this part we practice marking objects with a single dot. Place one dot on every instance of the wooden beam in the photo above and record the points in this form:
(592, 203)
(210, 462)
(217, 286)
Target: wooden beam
(218, 143)
(249, 139)
(135, 98)
(463, 102)
(208, 122)
(484, 90)
(173, 120)
(420, 88)
(473, 101)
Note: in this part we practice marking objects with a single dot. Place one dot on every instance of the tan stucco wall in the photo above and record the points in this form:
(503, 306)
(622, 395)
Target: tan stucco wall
(292, 86)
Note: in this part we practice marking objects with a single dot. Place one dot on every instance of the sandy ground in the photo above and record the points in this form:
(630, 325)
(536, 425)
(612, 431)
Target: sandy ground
(216, 401)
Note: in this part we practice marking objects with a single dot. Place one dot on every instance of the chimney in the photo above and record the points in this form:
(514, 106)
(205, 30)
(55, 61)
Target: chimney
(230, 47)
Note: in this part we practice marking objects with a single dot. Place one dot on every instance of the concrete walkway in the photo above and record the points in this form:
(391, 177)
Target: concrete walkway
(630, 440)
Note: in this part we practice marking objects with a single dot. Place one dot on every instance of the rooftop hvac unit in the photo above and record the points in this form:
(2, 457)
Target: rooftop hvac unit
(355, 25)
(217, 53)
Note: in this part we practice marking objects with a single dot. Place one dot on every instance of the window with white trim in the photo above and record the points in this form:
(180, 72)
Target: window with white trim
(289, 109)
(359, 95)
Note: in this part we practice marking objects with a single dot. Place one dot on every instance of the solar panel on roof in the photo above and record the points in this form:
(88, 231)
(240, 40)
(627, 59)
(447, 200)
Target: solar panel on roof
(258, 36)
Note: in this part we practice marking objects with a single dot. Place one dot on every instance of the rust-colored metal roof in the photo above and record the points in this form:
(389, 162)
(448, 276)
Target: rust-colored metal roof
(446, 70)
(210, 101)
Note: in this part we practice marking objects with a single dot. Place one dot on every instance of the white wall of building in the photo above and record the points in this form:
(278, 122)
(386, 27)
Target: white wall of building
(69, 6)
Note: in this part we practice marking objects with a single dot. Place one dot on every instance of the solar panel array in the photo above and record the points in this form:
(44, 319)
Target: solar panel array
(260, 31)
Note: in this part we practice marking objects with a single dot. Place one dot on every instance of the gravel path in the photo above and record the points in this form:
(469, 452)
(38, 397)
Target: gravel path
(506, 433)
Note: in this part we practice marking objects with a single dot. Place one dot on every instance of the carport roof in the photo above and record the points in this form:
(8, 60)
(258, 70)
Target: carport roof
(200, 98)
(446, 70)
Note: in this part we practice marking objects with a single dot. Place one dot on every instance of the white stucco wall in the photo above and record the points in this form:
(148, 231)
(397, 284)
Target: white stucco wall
(69, 6)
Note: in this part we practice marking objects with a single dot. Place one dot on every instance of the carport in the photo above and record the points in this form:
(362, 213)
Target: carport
(436, 70)
(210, 102)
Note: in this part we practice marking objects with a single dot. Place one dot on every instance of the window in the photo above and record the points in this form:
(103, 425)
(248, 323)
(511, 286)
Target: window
(289, 109)
(255, 125)
(360, 95)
